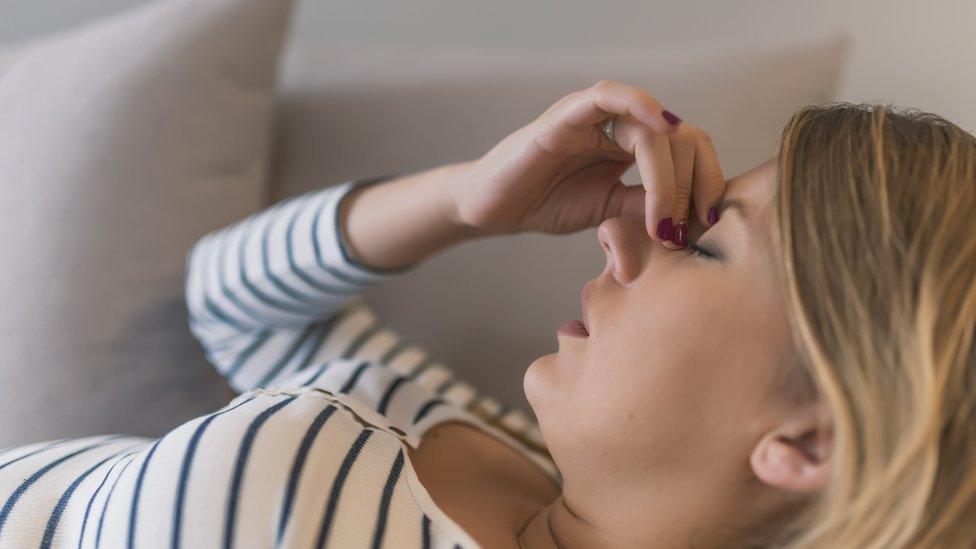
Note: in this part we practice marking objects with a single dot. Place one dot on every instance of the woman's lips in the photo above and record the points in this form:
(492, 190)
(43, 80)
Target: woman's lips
(573, 328)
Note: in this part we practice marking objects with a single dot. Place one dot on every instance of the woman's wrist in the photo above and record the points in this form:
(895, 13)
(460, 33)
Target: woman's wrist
(395, 224)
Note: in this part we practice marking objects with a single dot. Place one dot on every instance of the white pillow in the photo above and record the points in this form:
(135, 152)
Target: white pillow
(121, 143)
(356, 112)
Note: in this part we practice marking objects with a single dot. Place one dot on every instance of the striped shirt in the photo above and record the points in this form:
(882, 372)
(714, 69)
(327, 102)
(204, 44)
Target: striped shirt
(311, 453)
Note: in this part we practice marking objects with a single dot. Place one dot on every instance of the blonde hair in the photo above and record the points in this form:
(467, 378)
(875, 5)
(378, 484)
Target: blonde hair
(875, 225)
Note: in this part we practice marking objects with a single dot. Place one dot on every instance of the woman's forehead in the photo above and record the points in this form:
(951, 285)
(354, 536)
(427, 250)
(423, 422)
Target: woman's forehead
(755, 187)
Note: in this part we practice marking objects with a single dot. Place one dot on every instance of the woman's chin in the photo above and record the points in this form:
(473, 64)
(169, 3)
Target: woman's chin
(537, 381)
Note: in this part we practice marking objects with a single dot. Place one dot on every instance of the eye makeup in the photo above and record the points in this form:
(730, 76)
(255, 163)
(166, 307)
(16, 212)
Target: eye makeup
(700, 251)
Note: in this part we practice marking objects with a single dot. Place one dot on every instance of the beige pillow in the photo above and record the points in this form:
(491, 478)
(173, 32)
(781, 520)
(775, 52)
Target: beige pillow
(121, 143)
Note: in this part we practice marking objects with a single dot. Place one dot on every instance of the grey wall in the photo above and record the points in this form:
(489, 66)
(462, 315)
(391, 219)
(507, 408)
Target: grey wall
(911, 53)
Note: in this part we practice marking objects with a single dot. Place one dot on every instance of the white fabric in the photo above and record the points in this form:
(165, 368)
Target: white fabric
(121, 143)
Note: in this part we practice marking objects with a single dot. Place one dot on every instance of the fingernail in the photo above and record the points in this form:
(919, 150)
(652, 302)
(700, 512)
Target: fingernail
(713, 215)
(680, 233)
(665, 229)
(670, 117)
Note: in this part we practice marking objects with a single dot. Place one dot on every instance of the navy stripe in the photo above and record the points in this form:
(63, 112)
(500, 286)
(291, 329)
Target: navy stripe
(266, 256)
(108, 499)
(205, 326)
(91, 500)
(323, 329)
(220, 315)
(427, 407)
(425, 530)
(307, 299)
(48, 446)
(305, 277)
(420, 368)
(191, 449)
(297, 465)
(347, 311)
(242, 454)
(16, 495)
(388, 394)
(321, 370)
(349, 351)
(351, 382)
(224, 243)
(393, 352)
(134, 510)
(340, 479)
(318, 247)
(55, 518)
(360, 340)
(259, 340)
(300, 308)
(230, 341)
(286, 358)
(209, 305)
(391, 481)
(445, 385)
(314, 347)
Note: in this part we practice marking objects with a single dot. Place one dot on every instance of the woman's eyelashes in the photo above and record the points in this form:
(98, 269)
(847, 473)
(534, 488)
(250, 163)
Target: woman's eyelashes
(698, 251)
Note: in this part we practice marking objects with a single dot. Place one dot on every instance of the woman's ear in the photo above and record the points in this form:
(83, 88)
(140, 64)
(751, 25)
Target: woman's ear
(795, 454)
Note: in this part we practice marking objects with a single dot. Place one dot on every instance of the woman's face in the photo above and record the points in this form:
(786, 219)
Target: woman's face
(665, 399)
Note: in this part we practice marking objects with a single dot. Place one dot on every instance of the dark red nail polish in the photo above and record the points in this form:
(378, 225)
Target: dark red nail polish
(713, 215)
(665, 229)
(670, 117)
(680, 234)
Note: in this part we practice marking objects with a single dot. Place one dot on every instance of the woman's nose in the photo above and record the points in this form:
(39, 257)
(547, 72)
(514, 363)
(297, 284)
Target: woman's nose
(626, 244)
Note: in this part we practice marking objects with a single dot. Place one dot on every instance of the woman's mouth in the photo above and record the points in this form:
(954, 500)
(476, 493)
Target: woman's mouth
(573, 328)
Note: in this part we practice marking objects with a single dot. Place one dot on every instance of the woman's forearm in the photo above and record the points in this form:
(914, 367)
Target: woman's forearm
(399, 222)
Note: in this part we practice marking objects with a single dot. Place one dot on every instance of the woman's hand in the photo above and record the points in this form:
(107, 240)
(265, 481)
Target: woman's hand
(561, 174)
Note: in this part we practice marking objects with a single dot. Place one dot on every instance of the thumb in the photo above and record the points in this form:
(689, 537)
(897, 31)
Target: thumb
(625, 201)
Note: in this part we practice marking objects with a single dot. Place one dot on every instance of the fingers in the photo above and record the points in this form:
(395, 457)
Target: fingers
(708, 182)
(606, 98)
(677, 161)
(666, 178)
(624, 201)
(677, 170)
(653, 155)
(630, 203)
(682, 144)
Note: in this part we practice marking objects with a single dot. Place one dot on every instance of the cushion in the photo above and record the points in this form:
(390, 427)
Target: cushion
(361, 111)
(122, 142)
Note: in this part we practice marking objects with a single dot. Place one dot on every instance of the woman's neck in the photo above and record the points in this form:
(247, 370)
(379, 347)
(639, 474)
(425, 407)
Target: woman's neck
(555, 526)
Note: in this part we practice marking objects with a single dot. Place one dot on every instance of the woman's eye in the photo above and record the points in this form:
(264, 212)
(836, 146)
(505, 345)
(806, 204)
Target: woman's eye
(698, 251)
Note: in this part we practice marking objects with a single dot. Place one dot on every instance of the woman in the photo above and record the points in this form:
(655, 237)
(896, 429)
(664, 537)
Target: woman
(802, 376)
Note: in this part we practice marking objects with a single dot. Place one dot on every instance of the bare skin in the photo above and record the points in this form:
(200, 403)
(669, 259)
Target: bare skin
(455, 460)
(662, 421)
